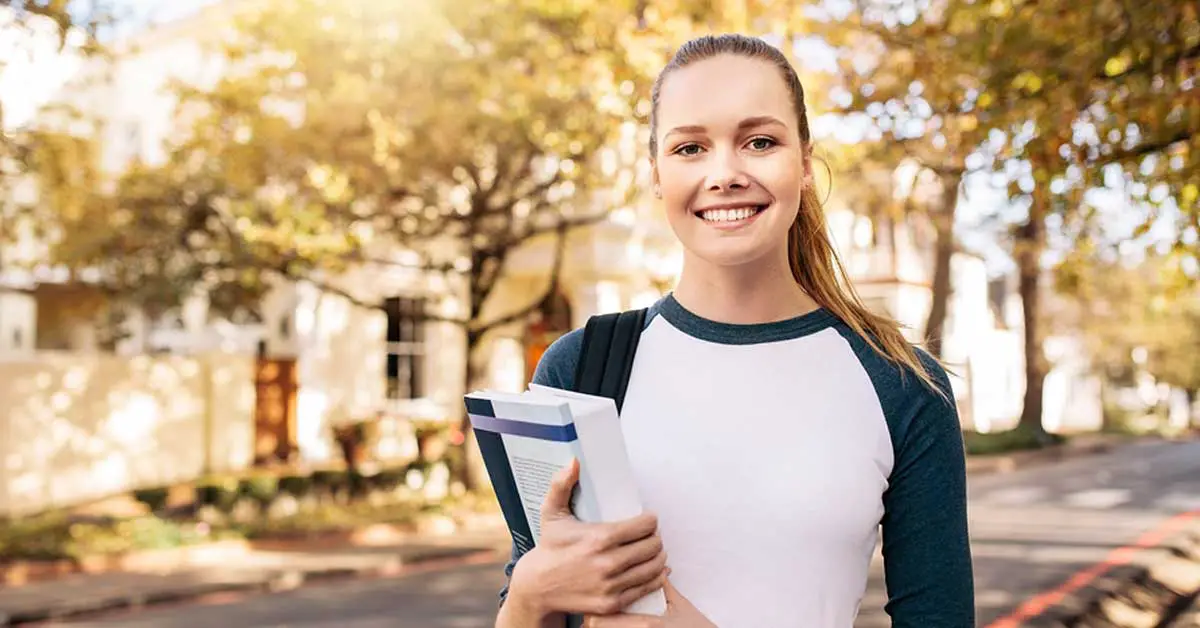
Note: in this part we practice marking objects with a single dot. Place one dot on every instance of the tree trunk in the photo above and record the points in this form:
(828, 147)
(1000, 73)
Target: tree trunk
(1193, 418)
(469, 467)
(1108, 417)
(1030, 242)
(943, 223)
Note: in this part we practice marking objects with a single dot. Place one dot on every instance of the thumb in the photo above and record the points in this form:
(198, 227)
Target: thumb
(558, 497)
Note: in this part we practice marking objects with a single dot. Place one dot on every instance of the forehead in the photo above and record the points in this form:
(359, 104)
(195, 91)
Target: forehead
(723, 90)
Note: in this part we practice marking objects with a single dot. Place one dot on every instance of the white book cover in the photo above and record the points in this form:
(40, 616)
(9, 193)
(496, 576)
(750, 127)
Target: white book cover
(525, 438)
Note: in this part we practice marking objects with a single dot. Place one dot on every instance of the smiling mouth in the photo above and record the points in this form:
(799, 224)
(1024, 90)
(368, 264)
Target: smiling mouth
(728, 215)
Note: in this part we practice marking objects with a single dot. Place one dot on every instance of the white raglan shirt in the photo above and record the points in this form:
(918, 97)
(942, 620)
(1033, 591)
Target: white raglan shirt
(775, 454)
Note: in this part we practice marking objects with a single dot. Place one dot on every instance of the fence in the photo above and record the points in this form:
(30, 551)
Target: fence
(76, 427)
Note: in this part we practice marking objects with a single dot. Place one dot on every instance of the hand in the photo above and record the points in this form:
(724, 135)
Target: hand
(587, 568)
(680, 614)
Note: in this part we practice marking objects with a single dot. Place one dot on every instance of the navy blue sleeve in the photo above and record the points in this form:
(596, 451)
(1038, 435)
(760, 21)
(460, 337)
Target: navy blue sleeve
(556, 368)
(926, 546)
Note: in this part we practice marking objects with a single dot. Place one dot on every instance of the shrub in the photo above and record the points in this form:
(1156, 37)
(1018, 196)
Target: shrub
(220, 494)
(1016, 439)
(327, 483)
(298, 486)
(389, 480)
(261, 488)
(154, 498)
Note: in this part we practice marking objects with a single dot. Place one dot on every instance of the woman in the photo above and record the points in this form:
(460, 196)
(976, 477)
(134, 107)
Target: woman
(774, 424)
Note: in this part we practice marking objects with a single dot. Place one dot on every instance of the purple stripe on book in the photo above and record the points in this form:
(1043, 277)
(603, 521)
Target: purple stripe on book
(541, 431)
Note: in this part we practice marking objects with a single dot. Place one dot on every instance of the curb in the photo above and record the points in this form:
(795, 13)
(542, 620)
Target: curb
(980, 464)
(21, 572)
(272, 581)
(1006, 463)
(1145, 585)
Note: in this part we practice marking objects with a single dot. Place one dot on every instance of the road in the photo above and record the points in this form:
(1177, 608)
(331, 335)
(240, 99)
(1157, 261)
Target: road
(1031, 530)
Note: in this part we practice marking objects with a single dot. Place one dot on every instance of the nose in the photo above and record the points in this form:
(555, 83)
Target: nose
(726, 173)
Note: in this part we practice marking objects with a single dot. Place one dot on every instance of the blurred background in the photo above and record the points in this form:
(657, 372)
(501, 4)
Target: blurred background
(253, 252)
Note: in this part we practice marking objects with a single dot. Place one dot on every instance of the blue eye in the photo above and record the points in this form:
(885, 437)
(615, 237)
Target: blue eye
(683, 150)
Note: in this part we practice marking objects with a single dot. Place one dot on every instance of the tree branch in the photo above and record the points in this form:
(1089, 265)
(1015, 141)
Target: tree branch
(424, 317)
(447, 267)
(521, 313)
(1143, 150)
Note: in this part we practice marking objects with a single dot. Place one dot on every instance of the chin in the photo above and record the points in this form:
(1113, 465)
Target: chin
(731, 255)
(730, 258)
(735, 250)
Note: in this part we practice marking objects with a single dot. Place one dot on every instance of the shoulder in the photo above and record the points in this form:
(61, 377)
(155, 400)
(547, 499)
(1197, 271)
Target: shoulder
(911, 406)
(557, 365)
(896, 382)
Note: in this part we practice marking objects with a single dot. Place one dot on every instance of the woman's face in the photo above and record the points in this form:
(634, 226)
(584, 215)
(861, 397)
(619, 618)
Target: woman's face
(729, 165)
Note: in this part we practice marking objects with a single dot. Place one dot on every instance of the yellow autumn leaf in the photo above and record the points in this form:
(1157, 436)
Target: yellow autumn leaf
(1116, 65)
(1189, 193)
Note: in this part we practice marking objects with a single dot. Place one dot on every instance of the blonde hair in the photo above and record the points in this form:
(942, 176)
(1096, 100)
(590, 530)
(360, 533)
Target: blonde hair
(814, 262)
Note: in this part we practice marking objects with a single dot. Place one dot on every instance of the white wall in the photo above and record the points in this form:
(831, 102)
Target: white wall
(76, 427)
(341, 367)
(18, 322)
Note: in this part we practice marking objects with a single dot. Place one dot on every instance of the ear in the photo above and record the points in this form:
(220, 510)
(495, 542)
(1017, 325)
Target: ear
(806, 159)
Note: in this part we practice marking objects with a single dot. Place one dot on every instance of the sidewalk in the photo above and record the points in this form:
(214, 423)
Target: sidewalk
(1076, 446)
(1154, 583)
(253, 570)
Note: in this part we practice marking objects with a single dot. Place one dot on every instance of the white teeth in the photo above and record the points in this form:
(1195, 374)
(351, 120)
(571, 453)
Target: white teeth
(728, 215)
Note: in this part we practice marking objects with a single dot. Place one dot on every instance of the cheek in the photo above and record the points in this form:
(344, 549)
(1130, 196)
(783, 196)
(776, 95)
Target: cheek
(783, 177)
(678, 184)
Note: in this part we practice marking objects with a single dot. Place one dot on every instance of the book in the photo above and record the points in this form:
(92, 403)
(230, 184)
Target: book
(526, 438)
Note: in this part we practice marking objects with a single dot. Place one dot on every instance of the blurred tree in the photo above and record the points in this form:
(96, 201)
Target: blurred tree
(1045, 109)
(352, 135)
(34, 29)
(1123, 306)
(898, 85)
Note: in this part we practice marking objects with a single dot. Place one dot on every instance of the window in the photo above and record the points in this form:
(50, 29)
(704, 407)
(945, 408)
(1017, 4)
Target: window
(405, 347)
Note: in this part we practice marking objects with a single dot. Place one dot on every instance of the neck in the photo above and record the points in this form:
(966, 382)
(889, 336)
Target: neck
(748, 294)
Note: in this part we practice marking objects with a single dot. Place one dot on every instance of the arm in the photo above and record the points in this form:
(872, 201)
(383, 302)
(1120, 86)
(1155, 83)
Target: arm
(926, 549)
(521, 612)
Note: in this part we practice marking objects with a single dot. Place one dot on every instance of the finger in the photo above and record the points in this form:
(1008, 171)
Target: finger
(622, 620)
(641, 573)
(642, 581)
(633, 529)
(558, 497)
(632, 554)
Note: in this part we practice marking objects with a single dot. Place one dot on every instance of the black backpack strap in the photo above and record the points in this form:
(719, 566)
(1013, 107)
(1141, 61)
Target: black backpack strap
(606, 359)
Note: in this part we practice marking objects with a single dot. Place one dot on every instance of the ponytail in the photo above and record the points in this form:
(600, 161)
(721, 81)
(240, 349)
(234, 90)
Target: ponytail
(817, 268)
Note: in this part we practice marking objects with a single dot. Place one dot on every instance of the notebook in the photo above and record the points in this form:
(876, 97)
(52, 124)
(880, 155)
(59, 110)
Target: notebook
(525, 438)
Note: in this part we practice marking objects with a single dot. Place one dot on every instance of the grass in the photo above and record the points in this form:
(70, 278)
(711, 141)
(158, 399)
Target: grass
(328, 518)
(59, 536)
(56, 536)
(1008, 441)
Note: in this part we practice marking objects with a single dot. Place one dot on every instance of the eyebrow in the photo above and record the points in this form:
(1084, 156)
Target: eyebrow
(748, 123)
